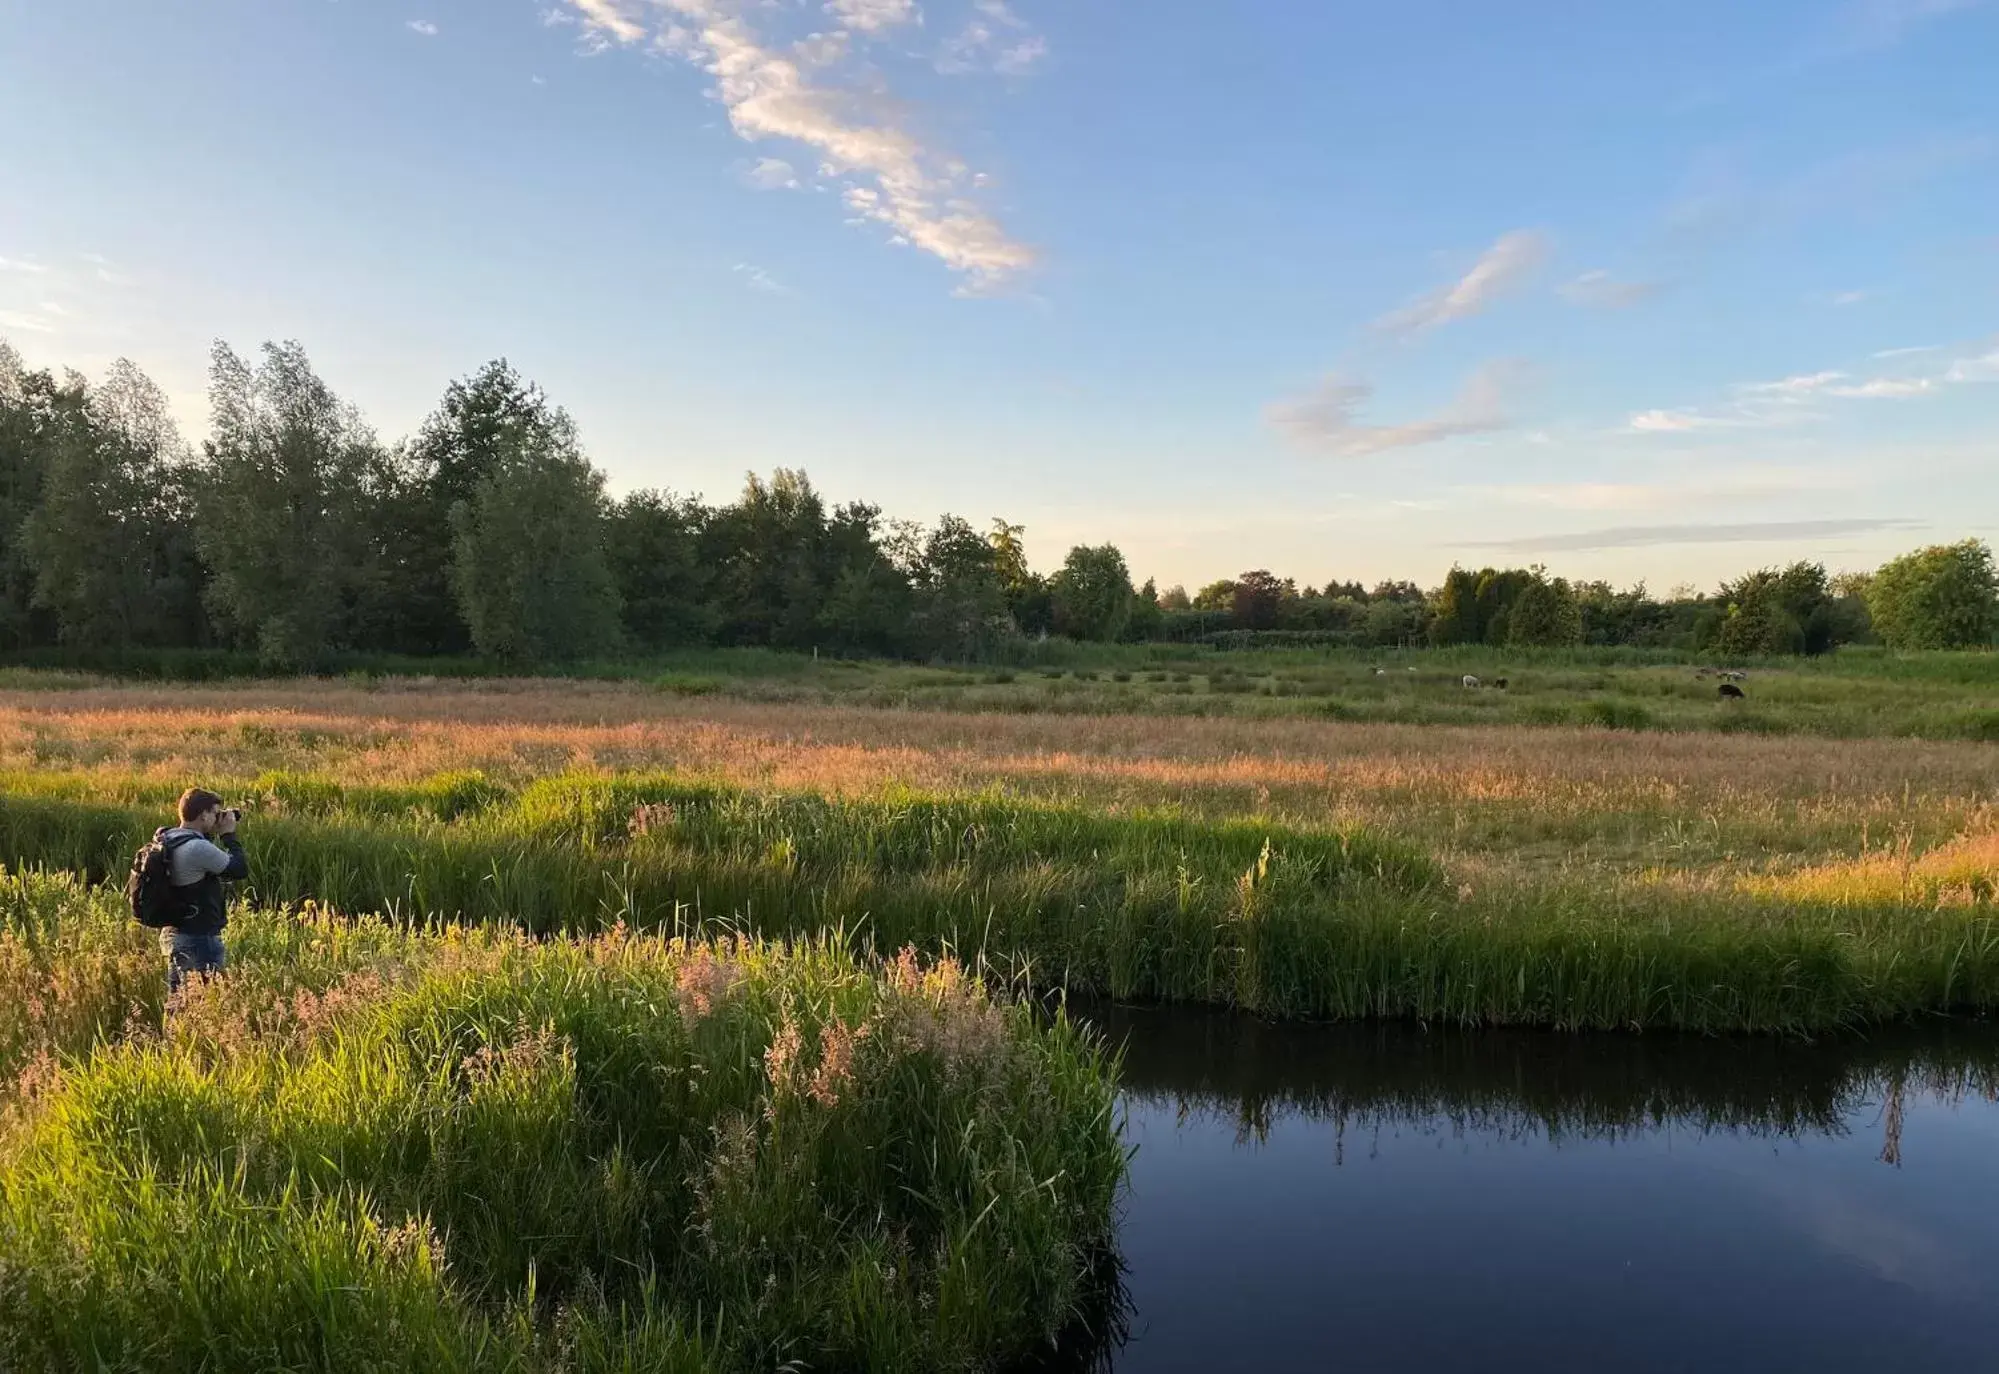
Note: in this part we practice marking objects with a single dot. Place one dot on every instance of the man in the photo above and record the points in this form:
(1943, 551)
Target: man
(203, 850)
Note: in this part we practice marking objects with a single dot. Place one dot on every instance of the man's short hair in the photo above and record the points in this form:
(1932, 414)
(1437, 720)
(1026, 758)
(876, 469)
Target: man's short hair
(195, 802)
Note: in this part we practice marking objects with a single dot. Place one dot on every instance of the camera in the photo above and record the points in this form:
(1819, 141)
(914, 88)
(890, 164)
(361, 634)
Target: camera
(234, 813)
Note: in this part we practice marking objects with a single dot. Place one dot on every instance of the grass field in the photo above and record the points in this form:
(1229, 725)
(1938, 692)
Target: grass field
(371, 1147)
(1856, 693)
(1485, 875)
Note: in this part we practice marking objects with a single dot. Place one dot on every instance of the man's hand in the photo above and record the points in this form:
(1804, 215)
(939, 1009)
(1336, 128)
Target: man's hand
(225, 824)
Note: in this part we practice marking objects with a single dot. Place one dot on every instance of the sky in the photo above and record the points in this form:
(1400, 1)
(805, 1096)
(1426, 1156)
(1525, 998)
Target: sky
(1637, 290)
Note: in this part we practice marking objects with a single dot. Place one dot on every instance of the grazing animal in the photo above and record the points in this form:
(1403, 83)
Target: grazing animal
(1471, 681)
(1729, 692)
(1736, 675)
(1381, 672)
(1703, 672)
(1500, 683)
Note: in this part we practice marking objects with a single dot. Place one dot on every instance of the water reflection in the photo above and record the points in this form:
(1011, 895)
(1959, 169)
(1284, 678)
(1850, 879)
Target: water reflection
(1387, 1197)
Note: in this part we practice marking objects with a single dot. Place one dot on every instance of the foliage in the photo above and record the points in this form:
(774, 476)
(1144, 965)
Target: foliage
(1092, 594)
(281, 512)
(528, 557)
(1942, 597)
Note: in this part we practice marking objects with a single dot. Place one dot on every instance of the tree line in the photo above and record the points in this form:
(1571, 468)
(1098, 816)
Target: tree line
(295, 531)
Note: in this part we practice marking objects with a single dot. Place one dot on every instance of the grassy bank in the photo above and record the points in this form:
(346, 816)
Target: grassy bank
(376, 1148)
(1241, 913)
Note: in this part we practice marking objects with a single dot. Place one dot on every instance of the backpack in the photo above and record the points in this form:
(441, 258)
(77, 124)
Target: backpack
(150, 888)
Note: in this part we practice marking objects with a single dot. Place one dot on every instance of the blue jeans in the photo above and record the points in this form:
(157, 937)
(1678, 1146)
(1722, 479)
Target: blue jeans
(199, 954)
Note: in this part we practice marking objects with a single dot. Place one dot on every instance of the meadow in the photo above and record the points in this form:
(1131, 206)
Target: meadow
(379, 1146)
(1482, 875)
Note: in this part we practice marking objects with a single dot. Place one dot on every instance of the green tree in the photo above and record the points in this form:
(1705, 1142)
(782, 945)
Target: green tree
(282, 505)
(109, 540)
(1029, 597)
(1092, 593)
(1257, 599)
(1148, 618)
(958, 607)
(653, 543)
(529, 564)
(23, 456)
(1454, 613)
(773, 569)
(1942, 597)
(1544, 615)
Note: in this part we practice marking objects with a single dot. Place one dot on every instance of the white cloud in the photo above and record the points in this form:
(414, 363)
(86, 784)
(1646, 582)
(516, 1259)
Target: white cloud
(1885, 388)
(874, 16)
(606, 21)
(422, 26)
(1324, 418)
(1906, 352)
(772, 174)
(997, 40)
(1883, 23)
(758, 279)
(18, 265)
(1501, 268)
(1676, 421)
(1848, 297)
(1600, 290)
(1980, 369)
(26, 323)
(1791, 388)
(896, 180)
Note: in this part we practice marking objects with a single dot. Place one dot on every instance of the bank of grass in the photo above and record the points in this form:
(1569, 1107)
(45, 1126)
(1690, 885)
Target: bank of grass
(1287, 922)
(384, 1148)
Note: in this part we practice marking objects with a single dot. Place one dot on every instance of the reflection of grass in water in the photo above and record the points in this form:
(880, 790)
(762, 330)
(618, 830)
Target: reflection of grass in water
(456, 1149)
(1514, 1085)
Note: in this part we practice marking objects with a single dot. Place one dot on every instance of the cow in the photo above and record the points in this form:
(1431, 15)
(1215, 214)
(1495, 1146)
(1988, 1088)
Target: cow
(1471, 683)
(1728, 691)
(1500, 683)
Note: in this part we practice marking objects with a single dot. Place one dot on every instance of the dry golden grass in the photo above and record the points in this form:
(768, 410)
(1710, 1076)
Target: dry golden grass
(1498, 798)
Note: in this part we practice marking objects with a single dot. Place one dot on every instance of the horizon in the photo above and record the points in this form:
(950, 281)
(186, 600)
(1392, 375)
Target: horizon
(1658, 298)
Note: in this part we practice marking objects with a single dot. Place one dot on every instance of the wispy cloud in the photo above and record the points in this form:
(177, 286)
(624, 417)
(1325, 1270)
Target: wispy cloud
(895, 178)
(1845, 298)
(772, 174)
(422, 26)
(1644, 536)
(758, 279)
(1324, 419)
(1602, 291)
(1500, 269)
(874, 16)
(1734, 483)
(1907, 352)
(1789, 400)
(21, 265)
(26, 322)
(996, 39)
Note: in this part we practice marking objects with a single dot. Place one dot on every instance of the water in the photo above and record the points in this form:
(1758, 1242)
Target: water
(1385, 1198)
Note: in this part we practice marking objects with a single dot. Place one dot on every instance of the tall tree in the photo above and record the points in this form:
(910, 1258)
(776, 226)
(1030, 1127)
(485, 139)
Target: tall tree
(654, 546)
(281, 508)
(1942, 597)
(529, 563)
(109, 540)
(771, 568)
(1545, 615)
(1092, 593)
(958, 605)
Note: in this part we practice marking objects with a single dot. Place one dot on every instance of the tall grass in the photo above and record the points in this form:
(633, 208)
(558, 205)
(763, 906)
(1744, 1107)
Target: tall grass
(1136, 905)
(369, 1147)
(1151, 907)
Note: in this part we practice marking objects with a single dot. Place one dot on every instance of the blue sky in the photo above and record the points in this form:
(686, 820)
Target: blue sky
(1644, 290)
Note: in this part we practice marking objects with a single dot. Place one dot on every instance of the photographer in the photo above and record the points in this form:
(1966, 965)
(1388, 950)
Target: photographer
(203, 850)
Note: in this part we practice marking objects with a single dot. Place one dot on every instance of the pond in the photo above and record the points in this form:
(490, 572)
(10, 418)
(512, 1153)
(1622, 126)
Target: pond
(1395, 1198)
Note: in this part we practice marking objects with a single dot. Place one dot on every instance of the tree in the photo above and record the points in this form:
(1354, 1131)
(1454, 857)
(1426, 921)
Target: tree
(463, 442)
(281, 509)
(109, 539)
(653, 543)
(1942, 597)
(1029, 599)
(1256, 598)
(1454, 613)
(1544, 615)
(1092, 593)
(1147, 616)
(958, 605)
(772, 570)
(1175, 598)
(528, 558)
(1780, 611)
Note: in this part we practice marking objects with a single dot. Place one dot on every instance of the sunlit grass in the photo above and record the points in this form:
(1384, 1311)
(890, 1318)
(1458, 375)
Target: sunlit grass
(371, 1147)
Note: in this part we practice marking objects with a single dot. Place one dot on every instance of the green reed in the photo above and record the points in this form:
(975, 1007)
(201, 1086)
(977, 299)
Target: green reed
(450, 1148)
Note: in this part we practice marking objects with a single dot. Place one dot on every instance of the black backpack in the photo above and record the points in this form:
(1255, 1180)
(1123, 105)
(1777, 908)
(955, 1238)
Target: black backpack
(150, 888)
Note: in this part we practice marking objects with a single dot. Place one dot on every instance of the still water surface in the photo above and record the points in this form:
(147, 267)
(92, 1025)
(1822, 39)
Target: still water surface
(1386, 1198)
